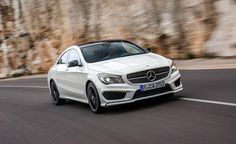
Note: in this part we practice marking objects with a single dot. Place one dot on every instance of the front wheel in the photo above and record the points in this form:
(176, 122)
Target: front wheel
(93, 98)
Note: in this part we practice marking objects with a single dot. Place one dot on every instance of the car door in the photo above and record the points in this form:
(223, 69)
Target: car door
(61, 74)
(76, 75)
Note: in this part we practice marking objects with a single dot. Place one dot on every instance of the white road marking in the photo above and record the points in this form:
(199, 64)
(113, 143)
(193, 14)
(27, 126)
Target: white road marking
(24, 87)
(209, 101)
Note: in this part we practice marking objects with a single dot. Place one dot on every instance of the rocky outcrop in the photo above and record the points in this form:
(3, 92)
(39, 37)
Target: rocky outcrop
(33, 33)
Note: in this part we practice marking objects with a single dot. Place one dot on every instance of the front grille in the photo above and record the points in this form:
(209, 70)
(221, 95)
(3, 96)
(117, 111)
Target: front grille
(140, 77)
(139, 94)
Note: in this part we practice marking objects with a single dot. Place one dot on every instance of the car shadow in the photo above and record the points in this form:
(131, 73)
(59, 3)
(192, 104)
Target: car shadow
(127, 108)
(142, 104)
(76, 104)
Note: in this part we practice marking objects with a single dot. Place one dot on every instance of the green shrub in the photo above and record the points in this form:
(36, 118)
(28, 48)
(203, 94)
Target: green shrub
(190, 55)
(17, 74)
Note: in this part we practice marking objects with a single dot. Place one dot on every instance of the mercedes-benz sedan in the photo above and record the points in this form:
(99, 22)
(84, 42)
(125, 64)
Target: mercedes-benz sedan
(111, 72)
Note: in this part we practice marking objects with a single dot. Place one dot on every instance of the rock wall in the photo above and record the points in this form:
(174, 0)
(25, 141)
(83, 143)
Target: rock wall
(34, 32)
(223, 39)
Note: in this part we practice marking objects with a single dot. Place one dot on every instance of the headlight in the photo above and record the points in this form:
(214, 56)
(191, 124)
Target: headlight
(173, 68)
(110, 78)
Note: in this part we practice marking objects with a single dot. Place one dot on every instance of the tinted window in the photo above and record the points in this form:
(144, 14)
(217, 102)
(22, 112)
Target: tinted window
(73, 55)
(109, 50)
(132, 49)
(63, 59)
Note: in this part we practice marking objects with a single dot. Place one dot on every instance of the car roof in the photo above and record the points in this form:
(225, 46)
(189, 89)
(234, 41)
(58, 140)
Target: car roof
(103, 41)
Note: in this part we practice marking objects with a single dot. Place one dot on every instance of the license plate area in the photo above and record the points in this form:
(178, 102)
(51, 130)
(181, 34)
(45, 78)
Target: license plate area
(151, 86)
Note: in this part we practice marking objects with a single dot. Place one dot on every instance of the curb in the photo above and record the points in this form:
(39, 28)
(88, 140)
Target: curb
(25, 77)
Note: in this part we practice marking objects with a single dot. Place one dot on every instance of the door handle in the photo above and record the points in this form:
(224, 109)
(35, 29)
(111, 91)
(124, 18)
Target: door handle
(67, 69)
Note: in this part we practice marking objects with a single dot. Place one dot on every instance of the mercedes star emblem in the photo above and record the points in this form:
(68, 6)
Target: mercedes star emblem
(151, 76)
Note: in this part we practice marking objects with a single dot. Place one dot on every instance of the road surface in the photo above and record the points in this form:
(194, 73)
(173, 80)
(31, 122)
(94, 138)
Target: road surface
(205, 112)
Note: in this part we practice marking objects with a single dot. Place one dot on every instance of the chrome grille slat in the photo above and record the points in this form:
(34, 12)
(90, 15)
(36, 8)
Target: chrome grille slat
(162, 73)
(137, 78)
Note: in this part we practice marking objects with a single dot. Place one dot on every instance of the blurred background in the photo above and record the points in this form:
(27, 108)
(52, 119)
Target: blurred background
(34, 32)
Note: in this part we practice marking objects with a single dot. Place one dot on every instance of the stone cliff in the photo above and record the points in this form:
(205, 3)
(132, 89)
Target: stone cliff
(34, 32)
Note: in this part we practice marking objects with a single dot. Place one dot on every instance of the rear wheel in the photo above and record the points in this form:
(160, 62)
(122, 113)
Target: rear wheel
(55, 94)
(93, 98)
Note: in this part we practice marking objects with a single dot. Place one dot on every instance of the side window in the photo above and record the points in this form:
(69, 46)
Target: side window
(73, 55)
(63, 59)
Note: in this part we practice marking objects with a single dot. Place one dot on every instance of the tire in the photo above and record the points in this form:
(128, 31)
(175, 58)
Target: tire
(55, 94)
(93, 98)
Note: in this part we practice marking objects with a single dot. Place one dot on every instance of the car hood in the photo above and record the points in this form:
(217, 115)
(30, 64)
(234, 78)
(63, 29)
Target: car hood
(130, 64)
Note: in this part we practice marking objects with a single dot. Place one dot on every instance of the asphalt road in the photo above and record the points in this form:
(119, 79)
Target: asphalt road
(27, 115)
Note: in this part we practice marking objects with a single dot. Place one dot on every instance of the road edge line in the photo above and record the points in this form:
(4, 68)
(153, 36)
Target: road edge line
(209, 101)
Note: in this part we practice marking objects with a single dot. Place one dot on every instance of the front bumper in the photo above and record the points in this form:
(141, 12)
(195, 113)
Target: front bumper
(128, 93)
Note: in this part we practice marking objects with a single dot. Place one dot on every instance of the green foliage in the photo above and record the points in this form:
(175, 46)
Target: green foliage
(190, 55)
(17, 74)
(209, 55)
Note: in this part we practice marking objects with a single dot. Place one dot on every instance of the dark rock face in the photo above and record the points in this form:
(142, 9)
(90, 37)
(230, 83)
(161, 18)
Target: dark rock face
(33, 33)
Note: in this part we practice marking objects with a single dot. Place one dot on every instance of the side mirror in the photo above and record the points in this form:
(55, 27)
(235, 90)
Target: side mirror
(74, 63)
(149, 49)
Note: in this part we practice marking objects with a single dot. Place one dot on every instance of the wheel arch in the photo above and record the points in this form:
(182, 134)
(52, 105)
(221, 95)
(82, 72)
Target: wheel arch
(49, 84)
(86, 85)
(51, 80)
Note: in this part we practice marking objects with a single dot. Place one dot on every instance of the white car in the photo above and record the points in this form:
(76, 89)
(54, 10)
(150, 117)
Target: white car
(111, 72)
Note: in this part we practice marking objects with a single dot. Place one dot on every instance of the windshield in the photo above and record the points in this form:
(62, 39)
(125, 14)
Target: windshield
(110, 50)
